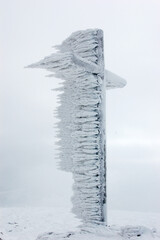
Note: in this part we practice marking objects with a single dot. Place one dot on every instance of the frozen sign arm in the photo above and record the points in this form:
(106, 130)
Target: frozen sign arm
(114, 81)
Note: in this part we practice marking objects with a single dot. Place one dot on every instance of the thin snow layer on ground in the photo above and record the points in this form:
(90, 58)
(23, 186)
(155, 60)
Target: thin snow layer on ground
(27, 223)
(59, 223)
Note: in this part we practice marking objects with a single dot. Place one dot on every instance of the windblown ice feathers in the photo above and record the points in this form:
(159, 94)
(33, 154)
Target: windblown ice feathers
(80, 62)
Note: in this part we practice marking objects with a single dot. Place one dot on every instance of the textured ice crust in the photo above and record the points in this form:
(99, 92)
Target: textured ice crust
(57, 223)
(102, 233)
(79, 61)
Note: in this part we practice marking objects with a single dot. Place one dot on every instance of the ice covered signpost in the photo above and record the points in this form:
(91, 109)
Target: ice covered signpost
(79, 61)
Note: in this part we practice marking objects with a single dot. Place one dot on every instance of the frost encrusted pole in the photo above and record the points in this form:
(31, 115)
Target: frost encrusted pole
(79, 61)
(89, 157)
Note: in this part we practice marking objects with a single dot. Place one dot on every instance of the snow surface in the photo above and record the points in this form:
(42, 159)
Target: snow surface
(58, 223)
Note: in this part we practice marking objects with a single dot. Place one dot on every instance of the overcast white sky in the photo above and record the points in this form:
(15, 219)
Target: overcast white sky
(28, 29)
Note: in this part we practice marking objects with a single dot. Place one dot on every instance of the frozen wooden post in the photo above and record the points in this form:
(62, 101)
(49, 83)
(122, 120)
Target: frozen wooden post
(79, 61)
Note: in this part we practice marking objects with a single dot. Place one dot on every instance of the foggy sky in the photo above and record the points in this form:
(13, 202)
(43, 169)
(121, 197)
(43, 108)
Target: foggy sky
(28, 164)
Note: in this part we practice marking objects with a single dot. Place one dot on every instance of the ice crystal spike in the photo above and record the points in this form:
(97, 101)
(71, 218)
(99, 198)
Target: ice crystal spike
(79, 61)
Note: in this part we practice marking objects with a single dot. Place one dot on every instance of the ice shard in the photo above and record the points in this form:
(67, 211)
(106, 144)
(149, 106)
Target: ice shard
(79, 61)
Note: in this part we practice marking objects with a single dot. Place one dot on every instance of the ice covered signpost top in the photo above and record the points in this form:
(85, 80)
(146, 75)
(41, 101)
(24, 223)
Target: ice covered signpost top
(79, 61)
(78, 50)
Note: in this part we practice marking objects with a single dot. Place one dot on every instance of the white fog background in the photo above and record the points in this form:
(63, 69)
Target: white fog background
(28, 168)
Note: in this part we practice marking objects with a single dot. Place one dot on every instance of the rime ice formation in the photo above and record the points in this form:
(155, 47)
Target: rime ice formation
(79, 61)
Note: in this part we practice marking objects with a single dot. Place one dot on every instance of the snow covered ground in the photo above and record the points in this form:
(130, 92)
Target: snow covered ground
(29, 223)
